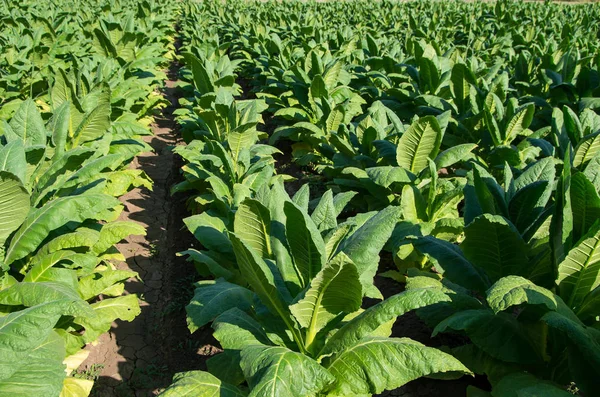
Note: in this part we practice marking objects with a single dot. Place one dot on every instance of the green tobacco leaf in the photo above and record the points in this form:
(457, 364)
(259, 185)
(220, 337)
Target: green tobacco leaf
(386, 175)
(33, 294)
(332, 74)
(482, 363)
(102, 282)
(514, 290)
(252, 224)
(583, 350)
(226, 366)
(364, 245)
(260, 278)
(302, 197)
(41, 221)
(473, 391)
(200, 384)
(25, 330)
(59, 127)
(528, 204)
(454, 154)
(561, 226)
(585, 204)
(62, 91)
(334, 239)
(494, 245)
(325, 215)
(206, 265)
(462, 78)
(38, 371)
(124, 307)
(542, 170)
(450, 260)
(306, 244)
(114, 232)
(94, 124)
(335, 118)
(41, 264)
(276, 199)
(413, 204)
(335, 289)
(590, 307)
(273, 371)
(14, 204)
(418, 143)
(521, 384)
(371, 319)
(592, 172)
(340, 201)
(572, 125)
(209, 230)
(519, 122)
(12, 160)
(492, 126)
(376, 364)
(202, 81)
(212, 298)
(586, 150)
(579, 273)
(27, 123)
(240, 140)
(499, 335)
(82, 237)
(318, 88)
(235, 329)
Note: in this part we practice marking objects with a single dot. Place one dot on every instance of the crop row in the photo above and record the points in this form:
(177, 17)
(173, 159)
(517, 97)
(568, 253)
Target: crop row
(460, 139)
(78, 87)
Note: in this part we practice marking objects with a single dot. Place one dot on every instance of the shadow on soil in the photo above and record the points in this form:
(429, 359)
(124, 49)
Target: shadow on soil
(157, 344)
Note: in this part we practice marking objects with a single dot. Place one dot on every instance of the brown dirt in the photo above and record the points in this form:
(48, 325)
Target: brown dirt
(139, 358)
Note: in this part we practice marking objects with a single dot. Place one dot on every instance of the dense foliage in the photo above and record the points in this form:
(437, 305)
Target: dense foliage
(468, 132)
(458, 141)
(77, 93)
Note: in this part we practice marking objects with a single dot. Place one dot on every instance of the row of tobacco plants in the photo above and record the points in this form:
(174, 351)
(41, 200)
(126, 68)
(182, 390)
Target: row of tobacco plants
(462, 139)
(78, 87)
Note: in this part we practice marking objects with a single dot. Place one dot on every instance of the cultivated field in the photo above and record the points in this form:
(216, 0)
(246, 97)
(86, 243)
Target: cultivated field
(288, 199)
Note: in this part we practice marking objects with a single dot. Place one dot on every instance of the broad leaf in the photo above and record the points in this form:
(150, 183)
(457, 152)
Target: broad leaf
(387, 363)
(38, 371)
(124, 307)
(579, 273)
(514, 290)
(371, 319)
(273, 371)
(335, 289)
(494, 245)
(421, 141)
(40, 222)
(252, 224)
(364, 245)
(14, 204)
(212, 298)
(450, 261)
(200, 384)
(27, 123)
(306, 244)
(499, 335)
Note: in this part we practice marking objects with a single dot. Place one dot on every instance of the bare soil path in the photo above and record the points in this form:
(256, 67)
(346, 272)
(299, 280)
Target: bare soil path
(139, 358)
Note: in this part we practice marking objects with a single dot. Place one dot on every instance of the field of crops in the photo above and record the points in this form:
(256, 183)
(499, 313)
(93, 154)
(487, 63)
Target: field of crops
(343, 173)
